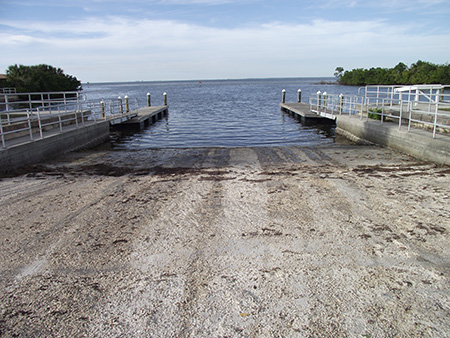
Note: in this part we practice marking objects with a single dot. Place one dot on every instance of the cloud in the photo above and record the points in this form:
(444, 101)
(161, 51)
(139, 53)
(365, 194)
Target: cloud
(118, 48)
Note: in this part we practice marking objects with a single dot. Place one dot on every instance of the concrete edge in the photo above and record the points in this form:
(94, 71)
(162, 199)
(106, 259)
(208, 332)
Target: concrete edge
(417, 143)
(39, 150)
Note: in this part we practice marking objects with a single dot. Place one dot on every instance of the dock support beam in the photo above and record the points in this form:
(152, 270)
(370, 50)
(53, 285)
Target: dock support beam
(149, 101)
(283, 96)
(165, 98)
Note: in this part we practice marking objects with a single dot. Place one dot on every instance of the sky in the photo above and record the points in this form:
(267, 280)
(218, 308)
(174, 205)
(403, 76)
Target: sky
(156, 40)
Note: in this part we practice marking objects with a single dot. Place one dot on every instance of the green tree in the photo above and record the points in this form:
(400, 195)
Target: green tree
(420, 72)
(339, 72)
(40, 78)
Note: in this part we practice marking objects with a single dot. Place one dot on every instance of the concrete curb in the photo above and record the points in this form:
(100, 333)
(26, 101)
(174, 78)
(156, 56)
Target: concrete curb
(417, 143)
(38, 150)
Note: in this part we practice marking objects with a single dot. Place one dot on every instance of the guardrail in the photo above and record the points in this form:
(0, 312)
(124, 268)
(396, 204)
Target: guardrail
(11, 102)
(423, 106)
(33, 123)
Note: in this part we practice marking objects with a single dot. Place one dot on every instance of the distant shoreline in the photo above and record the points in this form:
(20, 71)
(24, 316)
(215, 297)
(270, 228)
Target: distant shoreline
(318, 80)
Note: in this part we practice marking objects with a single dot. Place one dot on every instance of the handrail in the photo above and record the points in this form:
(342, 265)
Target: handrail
(35, 122)
(22, 101)
(417, 106)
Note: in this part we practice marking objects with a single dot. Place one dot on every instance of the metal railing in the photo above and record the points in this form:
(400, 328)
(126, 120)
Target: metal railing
(32, 124)
(330, 105)
(422, 106)
(11, 101)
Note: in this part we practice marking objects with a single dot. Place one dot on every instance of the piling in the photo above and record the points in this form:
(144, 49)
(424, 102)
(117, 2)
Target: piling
(102, 107)
(119, 102)
(127, 105)
(149, 101)
(283, 97)
(165, 98)
(299, 96)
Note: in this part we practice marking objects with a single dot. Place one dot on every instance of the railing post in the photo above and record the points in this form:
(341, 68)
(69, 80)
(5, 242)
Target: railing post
(400, 116)
(76, 118)
(60, 121)
(283, 96)
(341, 103)
(319, 100)
(39, 123)
(165, 98)
(6, 102)
(435, 119)
(1, 132)
(80, 108)
(127, 104)
(102, 108)
(149, 101)
(325, 101)
(29, 125)
(119, 102)
(299, 96)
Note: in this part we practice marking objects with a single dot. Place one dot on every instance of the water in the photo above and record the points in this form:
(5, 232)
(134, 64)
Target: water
(221, 113)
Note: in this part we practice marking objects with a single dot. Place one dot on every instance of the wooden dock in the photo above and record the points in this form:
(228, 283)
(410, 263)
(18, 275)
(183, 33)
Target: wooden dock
(304, 114)
(145, 116)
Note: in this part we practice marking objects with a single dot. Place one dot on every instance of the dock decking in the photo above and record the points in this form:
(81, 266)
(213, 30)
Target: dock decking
(303, 112)
(144, 117)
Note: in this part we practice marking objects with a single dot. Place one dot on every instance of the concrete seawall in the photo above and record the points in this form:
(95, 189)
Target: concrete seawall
(35, 151)
(417, 142)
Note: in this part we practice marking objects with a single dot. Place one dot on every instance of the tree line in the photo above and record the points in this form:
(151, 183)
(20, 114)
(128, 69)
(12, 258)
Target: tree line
(40, 78)
(421, 72)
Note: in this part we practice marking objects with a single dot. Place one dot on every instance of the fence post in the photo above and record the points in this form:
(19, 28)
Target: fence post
(60, 120)
(119, 99)
(435, 119)
(127, 104)
(29, 125)
(6, 102)
(40, 123)
(102, 108)
(283, 96)
(149, 101)
(299, 96)
(165, 98)
(319, 100)
(1, 132)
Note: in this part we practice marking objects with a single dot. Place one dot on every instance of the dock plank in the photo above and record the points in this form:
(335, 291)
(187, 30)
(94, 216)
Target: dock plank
(145, 116)
(304, 113)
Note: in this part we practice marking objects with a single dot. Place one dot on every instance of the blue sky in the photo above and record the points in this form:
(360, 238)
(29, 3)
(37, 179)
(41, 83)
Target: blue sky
(134, 40)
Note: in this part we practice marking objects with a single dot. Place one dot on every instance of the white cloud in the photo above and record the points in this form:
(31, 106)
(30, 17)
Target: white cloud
(120, 49)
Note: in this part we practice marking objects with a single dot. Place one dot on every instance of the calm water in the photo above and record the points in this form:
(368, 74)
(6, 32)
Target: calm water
(221, 113)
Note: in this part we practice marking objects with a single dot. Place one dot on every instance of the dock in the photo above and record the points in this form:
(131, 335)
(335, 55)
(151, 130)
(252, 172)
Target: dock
(56, 134)
(145, 116)
(303, 113)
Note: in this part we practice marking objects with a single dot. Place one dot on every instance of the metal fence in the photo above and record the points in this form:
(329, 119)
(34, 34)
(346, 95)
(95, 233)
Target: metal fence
(11, 101)
(422, 106)
(33, 123)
